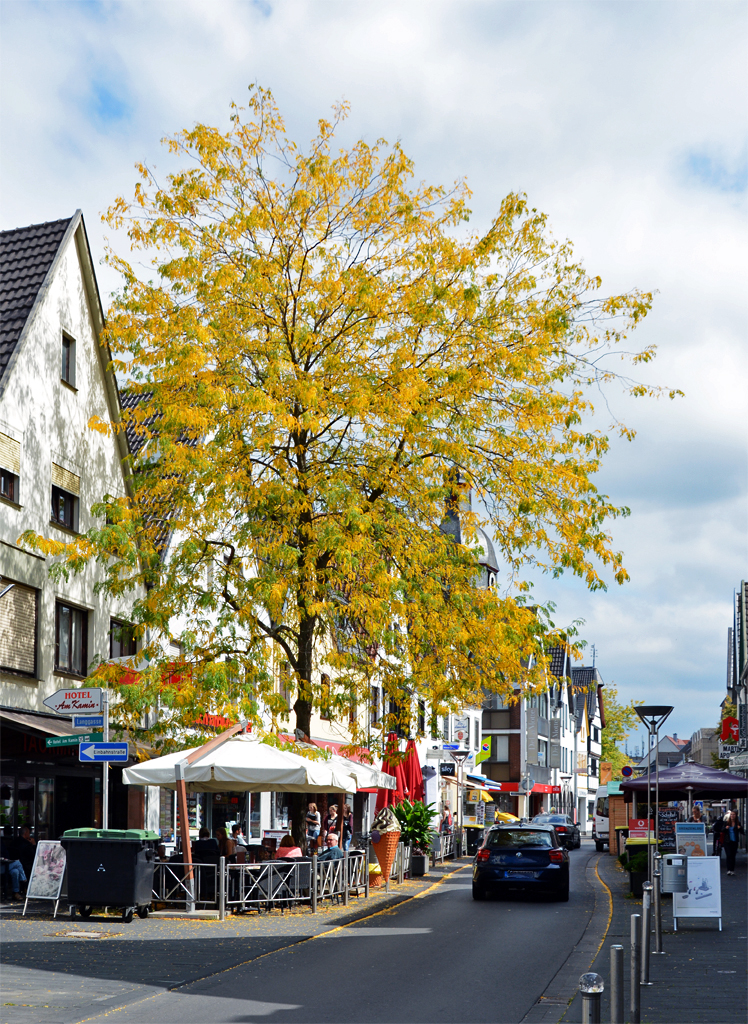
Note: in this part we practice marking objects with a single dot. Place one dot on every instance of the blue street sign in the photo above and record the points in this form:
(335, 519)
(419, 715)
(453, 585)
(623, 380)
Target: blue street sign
(450, 746)
(88, 721)
(627, 772)
(103, 752)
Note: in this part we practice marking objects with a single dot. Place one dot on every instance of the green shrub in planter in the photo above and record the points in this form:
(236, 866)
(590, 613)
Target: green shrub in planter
(415, 824)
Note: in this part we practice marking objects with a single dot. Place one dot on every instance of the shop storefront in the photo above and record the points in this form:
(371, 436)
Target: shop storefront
(44, 787)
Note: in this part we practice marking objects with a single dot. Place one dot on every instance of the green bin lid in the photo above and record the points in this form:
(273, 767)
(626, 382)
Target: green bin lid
(143, 834)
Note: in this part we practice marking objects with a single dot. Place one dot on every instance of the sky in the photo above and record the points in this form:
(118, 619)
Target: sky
(624, 122)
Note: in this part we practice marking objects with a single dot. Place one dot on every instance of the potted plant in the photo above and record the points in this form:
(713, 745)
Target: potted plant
(415, 829)
(636, 865)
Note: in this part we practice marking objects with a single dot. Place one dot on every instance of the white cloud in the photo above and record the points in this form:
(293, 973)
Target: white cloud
(625, 122)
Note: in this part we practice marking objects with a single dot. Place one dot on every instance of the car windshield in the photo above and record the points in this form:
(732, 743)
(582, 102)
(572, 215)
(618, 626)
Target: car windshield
(520, 837)
(550, 819)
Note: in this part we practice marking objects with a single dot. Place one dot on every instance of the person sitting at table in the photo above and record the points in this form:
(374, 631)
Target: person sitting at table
(204, 849)
(288, 848)
(332, 851)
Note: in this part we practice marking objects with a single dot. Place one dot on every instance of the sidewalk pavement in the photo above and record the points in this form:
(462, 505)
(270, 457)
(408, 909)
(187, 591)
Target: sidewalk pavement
(60, 971)
(703, 974)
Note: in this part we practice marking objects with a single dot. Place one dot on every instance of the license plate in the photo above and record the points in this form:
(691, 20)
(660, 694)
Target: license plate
(522, 874)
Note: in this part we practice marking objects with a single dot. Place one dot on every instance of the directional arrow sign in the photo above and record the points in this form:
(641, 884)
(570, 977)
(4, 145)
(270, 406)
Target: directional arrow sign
(103, 752)
(71, 741)
(68, 702)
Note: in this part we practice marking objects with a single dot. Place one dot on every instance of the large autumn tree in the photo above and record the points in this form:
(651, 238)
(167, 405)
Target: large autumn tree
(322, 363)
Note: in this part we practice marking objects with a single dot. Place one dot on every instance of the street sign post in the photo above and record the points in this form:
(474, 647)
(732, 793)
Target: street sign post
(103, 752)
(73, 741)
(88, 722)
(69, 702)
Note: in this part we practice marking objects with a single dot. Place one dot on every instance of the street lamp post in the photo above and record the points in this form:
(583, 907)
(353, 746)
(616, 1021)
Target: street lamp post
(653, 717)
(459, 756)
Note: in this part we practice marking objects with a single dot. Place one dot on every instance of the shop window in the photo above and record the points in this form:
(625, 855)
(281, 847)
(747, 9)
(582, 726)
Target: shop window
(542, 753)
(18, 628)
(71, 639)
(121, 639)
(67, 370)
(25, 803)
(6, 801)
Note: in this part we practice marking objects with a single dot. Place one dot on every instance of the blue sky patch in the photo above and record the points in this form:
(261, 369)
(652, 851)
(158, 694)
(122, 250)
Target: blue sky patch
(106, 107)
(714, 173)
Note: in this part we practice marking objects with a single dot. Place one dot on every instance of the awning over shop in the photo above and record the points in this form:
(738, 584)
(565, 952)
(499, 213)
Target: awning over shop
(52, 726)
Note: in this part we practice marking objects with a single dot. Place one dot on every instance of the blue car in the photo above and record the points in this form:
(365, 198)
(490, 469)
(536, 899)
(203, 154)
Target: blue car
(521, 857)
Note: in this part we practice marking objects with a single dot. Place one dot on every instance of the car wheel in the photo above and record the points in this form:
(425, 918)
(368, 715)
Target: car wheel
(599, 846)
(478, 893)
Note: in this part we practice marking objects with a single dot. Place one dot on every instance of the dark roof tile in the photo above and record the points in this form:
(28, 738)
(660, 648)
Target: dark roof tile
(26, 254)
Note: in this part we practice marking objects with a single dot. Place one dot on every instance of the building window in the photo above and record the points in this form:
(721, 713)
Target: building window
(325, 712)
(593, 766)
(374, 707)
(500, 748)
(64, 508)
(421, 717)
(8, 485)
(121, 639)
(542, 753)
(68, 360)
(18, 616)
(71, 639)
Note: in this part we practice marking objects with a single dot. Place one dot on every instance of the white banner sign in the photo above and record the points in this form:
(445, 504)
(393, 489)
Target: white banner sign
(703, 897)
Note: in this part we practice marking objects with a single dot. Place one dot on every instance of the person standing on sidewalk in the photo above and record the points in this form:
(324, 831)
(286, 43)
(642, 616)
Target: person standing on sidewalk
(731, 836)
(717, 830)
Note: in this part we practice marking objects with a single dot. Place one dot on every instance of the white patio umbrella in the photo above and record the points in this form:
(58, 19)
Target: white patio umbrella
(365, 775)
(245, 763)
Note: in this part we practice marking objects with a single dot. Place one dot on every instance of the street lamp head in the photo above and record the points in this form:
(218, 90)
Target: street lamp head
(653, 715)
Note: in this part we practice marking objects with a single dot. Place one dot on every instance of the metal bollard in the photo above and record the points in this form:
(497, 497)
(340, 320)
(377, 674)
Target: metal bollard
(313, 884)
(346, 863)
(657, 893)
(401, 864)
(591, 988)
(635, 991)
(646, 932)
(616, 985)
(222, 889)
(366, 872)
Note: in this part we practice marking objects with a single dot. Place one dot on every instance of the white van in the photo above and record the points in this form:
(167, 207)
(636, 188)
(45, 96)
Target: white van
(601, 821)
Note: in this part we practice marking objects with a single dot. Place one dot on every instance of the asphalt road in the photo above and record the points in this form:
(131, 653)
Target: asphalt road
(440, 957)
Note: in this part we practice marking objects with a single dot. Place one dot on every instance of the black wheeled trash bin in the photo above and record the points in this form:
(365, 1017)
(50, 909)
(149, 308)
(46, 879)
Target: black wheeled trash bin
(110, 868)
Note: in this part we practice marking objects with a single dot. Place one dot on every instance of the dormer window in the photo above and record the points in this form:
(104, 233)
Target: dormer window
(68, 360)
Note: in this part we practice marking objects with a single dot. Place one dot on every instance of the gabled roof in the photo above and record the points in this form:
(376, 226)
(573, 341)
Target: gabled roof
(557, 656)
(26, 258)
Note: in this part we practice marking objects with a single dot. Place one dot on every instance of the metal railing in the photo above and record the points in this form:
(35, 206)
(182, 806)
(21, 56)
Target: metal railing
(171, 884)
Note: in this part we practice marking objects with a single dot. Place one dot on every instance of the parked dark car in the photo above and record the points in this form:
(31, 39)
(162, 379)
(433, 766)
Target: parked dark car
(524, 857)
(566, 829)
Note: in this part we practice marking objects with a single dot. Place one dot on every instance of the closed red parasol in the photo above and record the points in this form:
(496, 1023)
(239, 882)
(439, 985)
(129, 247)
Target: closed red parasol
(412, 773)
(390, 797)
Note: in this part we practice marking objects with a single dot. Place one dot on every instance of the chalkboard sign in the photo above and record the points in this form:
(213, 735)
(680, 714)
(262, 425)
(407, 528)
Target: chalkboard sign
(666, 820)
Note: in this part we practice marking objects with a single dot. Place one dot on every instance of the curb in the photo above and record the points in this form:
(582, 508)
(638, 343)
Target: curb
(552, 1005)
